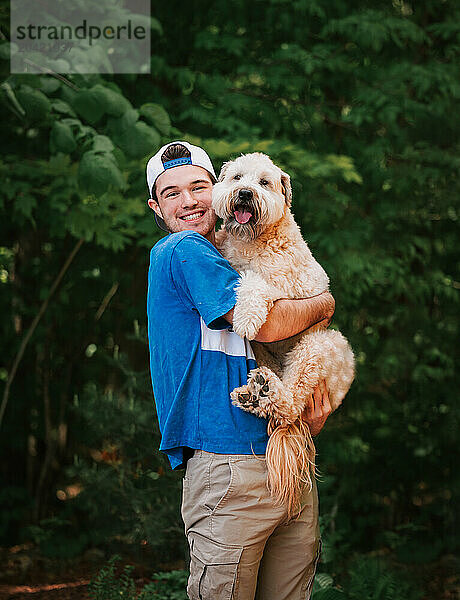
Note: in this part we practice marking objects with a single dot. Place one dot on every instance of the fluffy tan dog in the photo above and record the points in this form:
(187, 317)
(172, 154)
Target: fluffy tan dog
(263, 243)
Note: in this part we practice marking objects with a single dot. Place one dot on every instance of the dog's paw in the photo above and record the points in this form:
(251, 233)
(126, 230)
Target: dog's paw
(275, 399)
(249, 318)
(243, 398)
(246, 328)
(255, 396)
(265, 396)
(259, 383)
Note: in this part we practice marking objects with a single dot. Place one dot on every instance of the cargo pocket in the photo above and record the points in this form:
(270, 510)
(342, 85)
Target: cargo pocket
(213, 569)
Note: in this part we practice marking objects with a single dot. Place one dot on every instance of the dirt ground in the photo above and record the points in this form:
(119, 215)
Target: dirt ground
(25, 575)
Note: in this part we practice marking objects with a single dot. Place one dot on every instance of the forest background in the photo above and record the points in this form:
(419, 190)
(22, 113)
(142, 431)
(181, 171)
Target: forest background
(358, 101)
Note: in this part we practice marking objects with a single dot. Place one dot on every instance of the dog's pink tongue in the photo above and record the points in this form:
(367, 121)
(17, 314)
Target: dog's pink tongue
(242, 216)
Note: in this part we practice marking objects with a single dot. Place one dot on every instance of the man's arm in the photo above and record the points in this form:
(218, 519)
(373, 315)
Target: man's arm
(289, 317)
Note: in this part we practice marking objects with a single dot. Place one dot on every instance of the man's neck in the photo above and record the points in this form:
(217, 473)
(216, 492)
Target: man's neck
(211, 237)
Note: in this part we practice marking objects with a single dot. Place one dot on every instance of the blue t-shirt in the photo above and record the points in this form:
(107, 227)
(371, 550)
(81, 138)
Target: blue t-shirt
(195, 358)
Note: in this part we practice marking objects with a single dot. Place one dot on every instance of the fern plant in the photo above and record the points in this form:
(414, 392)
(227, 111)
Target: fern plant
(371, 579)
(107, 586)
(330, 593)
(167, 586)
(323, 588)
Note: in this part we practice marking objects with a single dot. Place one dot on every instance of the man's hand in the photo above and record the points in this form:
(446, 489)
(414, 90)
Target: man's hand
(319, 409)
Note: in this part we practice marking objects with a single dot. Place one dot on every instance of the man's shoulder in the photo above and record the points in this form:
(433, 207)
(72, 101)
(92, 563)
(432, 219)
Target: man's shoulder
(168, 244)
(162, 257)
(182, 243)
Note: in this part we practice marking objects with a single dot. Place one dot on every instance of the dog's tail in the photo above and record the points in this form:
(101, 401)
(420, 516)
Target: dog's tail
(290, 460)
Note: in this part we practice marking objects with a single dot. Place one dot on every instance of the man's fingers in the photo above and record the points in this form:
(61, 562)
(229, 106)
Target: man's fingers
(318, 408)
(307, 414)
(327, 408)
(317, 395)
(319, 405)
(322, 405)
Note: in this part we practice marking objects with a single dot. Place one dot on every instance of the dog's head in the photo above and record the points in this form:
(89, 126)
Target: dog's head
(251, 194)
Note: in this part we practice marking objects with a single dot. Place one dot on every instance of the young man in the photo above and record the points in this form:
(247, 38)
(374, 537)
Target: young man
(242, 545)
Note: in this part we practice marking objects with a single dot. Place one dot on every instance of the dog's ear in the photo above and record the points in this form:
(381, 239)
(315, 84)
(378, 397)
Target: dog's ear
(223, 170)
(286, 185)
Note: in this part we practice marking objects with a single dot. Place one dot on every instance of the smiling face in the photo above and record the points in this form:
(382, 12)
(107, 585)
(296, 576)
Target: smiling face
(183, 200)
(251, 194)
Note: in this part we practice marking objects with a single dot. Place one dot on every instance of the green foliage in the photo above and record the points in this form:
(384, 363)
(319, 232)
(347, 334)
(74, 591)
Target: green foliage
(368, 578)
(371, 579)
(98, 172)
(165, 586)
(157, 116)
(62, 138)
(14, 505)
(52, 538)
(323, 588)
(107, 586)
(122, 466)
(329, 593)
(35, 104)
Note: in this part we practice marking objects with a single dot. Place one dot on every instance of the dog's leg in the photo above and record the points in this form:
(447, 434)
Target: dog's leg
(265, 395)
(255, 299)
(317, 355)
(323, 354)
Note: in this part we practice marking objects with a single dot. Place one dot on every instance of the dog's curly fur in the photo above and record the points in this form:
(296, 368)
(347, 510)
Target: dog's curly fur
(274, 261)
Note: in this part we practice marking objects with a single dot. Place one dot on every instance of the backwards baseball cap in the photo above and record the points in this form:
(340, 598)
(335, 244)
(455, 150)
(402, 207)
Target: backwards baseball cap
(157, 165)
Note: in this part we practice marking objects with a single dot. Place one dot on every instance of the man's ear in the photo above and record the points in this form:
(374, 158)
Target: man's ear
(286, 185)
(154, 206)
(223, 170)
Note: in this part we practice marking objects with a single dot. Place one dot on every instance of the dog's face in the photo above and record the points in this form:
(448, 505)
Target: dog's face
(251, 194)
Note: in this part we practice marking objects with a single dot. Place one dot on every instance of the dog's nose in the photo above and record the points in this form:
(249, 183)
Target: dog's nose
(245, 195)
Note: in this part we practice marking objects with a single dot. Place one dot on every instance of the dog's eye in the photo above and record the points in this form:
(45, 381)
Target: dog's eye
(237, 177)
(263, 182)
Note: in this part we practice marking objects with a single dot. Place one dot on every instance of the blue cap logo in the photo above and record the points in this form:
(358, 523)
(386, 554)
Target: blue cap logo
(177, 161)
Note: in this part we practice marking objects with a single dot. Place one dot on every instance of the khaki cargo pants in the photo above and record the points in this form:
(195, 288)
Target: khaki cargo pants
(242, 546)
